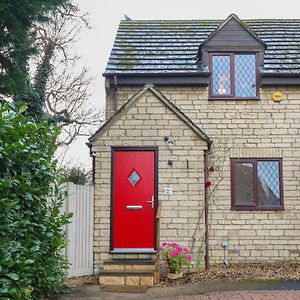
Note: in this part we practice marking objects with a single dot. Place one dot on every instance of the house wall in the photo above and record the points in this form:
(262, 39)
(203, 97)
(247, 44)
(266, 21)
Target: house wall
(247, 128)
(146, 124)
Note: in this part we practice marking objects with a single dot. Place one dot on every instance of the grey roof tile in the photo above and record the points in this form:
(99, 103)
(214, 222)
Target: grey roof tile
(172, 46)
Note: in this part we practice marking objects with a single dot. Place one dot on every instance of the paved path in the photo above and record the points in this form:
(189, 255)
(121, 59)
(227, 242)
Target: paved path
(253, 295)
(223, 290)
(240, 295)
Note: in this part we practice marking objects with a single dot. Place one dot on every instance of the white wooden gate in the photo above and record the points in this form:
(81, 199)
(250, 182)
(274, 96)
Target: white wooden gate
(79, 232)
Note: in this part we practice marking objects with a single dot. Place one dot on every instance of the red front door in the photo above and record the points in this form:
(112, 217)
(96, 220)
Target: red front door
(133, 201)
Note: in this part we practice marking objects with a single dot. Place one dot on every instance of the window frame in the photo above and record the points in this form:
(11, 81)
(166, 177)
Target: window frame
(255, 205)
(232, 96)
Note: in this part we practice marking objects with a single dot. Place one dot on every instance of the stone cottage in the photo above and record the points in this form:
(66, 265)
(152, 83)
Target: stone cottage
(203, 116)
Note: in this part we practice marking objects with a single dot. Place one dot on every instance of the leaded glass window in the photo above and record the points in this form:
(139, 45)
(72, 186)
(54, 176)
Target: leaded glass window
(221, 78)
(256, 184)
(245, 75)
(244, 183)
(268, 183)
(233, 75)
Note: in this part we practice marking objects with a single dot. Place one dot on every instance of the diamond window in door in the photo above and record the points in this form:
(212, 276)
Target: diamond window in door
(134, 177)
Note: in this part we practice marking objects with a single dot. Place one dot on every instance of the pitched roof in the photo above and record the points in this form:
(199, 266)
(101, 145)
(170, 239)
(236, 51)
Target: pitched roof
(166, 46)
(123, 110)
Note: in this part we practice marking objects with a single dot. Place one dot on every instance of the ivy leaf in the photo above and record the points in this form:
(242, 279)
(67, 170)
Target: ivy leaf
(13, 276)
(55, 242)
(35, 248)
(23, 108)
(29, 261)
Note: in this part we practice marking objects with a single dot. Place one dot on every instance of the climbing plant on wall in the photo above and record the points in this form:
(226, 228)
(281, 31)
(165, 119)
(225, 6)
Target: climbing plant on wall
(216, 157)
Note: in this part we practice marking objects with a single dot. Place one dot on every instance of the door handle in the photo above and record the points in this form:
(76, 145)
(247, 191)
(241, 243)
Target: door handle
(134, 207)
(151, 201)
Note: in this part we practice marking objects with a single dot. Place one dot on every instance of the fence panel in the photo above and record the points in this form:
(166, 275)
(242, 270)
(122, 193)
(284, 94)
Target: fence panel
(79, 232)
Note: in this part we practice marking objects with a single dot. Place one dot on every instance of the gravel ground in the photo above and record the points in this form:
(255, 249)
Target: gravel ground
(236, 272)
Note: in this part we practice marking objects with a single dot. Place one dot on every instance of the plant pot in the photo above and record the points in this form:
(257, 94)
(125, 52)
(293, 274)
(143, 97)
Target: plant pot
(175, 275)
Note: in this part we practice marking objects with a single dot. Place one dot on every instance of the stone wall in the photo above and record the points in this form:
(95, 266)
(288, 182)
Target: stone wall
(146, 124)
(247, 128)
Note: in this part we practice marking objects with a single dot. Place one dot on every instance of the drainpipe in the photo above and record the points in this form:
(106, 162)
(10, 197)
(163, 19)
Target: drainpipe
(206, 205)
(93, 156)
(115, 99)
(93, 166)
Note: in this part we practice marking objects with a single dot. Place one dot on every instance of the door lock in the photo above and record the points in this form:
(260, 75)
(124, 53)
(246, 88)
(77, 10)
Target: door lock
(152, 201)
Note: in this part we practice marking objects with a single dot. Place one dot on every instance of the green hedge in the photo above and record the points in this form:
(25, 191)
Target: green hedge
(31, 237)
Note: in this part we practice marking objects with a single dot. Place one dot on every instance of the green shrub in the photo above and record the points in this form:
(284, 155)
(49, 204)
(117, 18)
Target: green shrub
(31, 236)
(76, 175)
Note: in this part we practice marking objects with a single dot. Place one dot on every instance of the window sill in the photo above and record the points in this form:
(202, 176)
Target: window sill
(233, 99)
(258, 208)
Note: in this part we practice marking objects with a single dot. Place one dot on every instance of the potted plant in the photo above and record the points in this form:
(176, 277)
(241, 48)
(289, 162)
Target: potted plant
(175, 257)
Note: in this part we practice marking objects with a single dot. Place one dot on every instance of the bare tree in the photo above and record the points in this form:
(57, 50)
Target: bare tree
(60, 78)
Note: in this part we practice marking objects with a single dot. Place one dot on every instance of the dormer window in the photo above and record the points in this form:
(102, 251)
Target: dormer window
(233, 53)
(233, 75)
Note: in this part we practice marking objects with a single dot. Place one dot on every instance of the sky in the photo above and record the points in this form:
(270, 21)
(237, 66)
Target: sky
(104, 17)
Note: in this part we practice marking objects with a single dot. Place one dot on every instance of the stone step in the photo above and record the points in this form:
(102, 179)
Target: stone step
(128, 265)
(130, 261)
(131, 278)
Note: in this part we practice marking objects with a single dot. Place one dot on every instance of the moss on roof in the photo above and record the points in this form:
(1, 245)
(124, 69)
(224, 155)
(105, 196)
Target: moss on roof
(146, 45)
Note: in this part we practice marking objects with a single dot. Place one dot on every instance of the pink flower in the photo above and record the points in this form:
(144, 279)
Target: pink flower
(175, 256)
(174, 253)
(186, 250)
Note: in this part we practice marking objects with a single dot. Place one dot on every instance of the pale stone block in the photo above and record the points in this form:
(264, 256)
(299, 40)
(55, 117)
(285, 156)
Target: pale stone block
(132, 280)
(270, 253)
(143, 267)
(128, 268)
(156, 110)
(111, 280)
(147, 281)
(112, 267)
